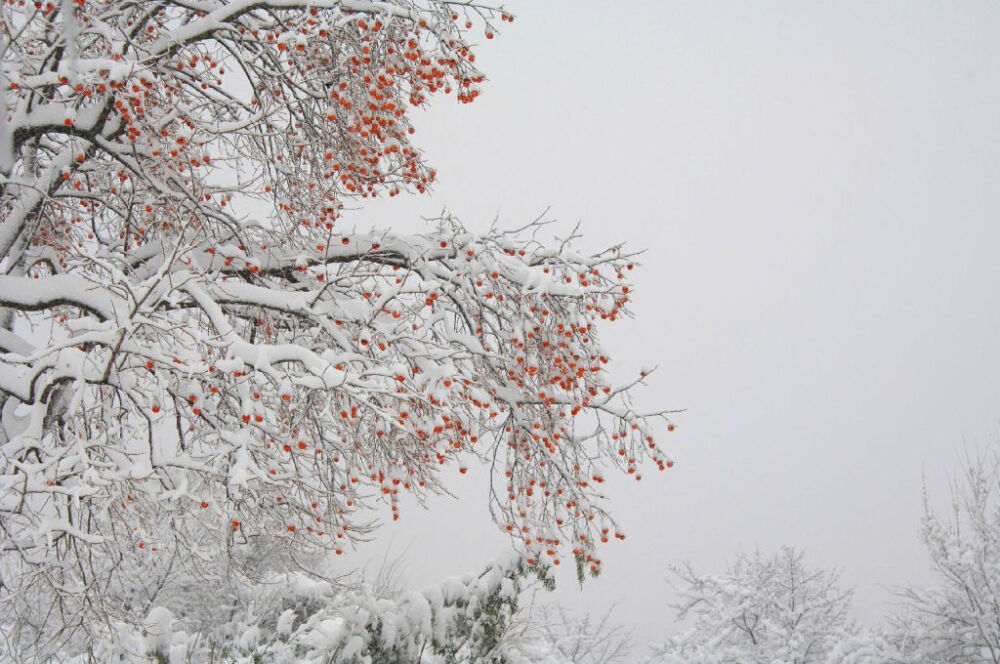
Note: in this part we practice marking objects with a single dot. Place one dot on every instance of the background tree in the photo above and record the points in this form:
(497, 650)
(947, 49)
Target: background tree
(959, 620)
(584, 638)
(765, 609)
(201, 362)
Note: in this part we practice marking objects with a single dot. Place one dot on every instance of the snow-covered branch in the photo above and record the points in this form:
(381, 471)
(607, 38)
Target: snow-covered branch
(198, 353)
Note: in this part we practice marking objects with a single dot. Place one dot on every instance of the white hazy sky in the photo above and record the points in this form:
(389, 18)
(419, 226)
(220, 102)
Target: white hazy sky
(816, 185)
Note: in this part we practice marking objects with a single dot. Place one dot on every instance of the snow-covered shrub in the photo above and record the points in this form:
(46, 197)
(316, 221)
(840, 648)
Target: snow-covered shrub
(297, 616)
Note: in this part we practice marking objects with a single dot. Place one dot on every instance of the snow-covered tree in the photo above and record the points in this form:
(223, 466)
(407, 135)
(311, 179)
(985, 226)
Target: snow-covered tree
(580, 638)
(200, 359)
(958, 620)
(763, 609)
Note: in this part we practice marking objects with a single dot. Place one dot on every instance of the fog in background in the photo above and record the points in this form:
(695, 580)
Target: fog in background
(815, 185)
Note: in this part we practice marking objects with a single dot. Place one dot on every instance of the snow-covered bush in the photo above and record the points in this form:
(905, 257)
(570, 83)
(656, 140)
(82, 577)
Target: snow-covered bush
(296, 616)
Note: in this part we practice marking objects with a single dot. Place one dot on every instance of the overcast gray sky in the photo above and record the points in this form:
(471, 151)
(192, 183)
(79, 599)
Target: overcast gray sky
(816, 185)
